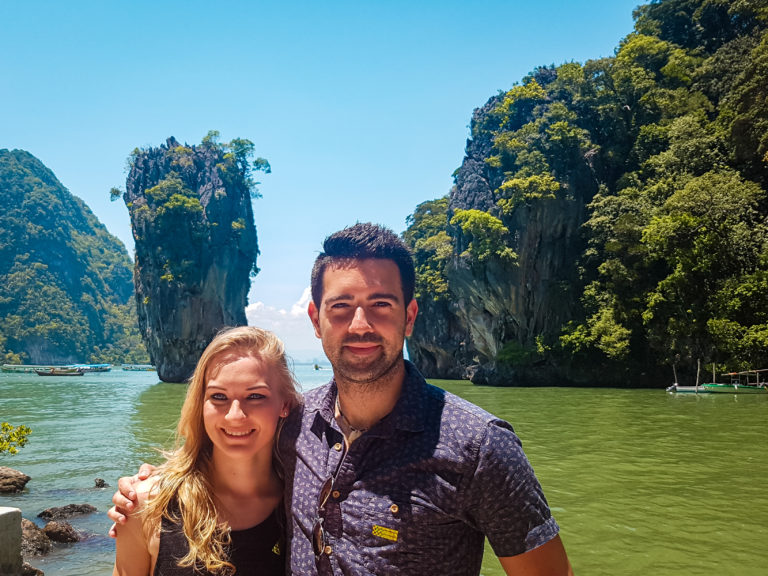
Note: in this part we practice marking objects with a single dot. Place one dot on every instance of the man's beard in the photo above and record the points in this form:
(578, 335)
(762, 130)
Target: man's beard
(369, 374)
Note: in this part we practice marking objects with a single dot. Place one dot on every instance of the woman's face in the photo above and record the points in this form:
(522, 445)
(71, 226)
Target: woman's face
(242, 405)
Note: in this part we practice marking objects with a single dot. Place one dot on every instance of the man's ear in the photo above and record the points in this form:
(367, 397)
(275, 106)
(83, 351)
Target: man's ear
(410, 317)
(314, 316)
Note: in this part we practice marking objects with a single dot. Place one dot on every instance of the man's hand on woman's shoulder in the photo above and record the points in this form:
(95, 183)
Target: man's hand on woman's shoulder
(125, 499)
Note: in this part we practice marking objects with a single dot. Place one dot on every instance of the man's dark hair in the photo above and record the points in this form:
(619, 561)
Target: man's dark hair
(364, 240)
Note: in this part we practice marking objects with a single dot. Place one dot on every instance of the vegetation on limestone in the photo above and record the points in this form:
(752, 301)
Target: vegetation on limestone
(65, 283)
(667, 142)
(196, 243)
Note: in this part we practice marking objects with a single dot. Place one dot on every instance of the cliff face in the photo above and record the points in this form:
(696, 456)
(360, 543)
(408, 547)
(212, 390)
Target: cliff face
(196, 248)
(497, 302)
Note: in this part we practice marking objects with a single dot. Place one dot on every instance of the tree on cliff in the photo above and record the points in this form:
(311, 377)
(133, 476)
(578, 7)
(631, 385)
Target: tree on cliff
(196, 245)
(650, 168)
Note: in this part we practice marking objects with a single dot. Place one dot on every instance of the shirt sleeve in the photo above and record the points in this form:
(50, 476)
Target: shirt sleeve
(504, 497)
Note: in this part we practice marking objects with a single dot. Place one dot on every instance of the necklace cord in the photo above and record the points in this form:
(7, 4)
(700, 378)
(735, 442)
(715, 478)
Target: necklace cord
(341, 414)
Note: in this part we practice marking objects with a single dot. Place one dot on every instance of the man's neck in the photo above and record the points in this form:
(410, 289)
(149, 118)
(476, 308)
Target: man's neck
(365, 404)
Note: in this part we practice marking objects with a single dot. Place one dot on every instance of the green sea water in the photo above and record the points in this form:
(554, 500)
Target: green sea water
(640, 481)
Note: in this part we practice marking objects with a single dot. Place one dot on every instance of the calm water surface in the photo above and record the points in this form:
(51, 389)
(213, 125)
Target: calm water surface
(640, 481)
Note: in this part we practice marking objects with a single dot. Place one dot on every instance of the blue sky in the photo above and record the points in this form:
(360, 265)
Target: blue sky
(361, 107)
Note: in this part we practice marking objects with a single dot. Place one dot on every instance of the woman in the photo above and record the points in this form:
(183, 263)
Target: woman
(213, 506)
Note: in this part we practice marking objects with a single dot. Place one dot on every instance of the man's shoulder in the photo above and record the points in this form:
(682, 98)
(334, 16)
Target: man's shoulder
(314, 397)
(456, 408)
(460, 424)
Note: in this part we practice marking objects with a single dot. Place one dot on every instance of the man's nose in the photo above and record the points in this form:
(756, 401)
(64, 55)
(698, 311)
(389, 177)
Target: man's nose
(360, 322)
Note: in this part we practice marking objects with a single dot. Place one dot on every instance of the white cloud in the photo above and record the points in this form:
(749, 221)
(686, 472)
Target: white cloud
(293, 327)
(300, 308)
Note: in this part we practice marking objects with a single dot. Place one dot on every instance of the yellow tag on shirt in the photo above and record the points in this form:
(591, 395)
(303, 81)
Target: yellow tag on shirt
(276, 548)
(383, 532)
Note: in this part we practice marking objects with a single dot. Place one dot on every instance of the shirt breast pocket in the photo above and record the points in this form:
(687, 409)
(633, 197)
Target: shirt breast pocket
(407, 522)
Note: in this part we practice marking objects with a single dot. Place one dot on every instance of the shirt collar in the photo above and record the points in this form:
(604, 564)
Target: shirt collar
(408, 411)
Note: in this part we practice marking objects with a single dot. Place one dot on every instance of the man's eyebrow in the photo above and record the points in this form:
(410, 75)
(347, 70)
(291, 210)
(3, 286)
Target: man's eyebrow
(383, 296)
(374, 296)
(338, 298)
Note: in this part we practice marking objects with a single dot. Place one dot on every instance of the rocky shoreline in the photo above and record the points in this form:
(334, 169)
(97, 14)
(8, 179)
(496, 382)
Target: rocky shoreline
(37, 541)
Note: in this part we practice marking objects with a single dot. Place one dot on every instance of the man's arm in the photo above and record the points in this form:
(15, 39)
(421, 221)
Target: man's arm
(125, 499)
(132, 550)
(548, 559)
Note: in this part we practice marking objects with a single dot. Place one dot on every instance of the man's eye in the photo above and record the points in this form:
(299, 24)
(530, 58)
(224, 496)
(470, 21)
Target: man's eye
(382, 304)
(339, 306)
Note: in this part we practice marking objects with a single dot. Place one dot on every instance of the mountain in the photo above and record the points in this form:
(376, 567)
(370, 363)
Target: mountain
(608, 224)
(66, 288)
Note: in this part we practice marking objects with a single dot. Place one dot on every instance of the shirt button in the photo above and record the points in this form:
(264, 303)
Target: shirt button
(327, 550)
(394, 508)
(335, 494)
(337, 446)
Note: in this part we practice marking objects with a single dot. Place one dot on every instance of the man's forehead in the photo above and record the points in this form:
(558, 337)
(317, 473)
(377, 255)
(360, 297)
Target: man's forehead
(373, 271)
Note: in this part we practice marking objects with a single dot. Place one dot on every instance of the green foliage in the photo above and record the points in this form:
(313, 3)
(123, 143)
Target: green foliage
(517, 191)
(13, 437)
(486, 236)
(512, 353)
(211, 139)
(517, 105)
(432, 248)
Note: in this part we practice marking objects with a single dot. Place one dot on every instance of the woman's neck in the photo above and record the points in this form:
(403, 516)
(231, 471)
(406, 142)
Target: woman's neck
(240, 477)
(246, 491)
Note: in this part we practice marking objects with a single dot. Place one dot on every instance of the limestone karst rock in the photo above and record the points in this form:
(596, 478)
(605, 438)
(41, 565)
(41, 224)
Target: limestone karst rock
(497, 302)
(196, 247)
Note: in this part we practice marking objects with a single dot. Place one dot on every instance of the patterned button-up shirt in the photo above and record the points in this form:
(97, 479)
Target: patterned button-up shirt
(416, 494)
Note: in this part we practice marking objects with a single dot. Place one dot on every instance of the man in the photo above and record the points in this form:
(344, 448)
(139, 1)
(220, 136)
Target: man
(384, 473)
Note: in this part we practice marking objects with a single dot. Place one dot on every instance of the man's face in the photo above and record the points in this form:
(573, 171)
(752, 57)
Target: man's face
(362, 319)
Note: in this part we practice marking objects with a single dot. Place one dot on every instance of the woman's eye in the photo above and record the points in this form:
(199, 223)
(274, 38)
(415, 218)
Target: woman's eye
(256, 396)
(218, 396)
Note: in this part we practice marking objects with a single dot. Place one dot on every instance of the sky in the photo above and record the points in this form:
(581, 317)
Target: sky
(361, 107)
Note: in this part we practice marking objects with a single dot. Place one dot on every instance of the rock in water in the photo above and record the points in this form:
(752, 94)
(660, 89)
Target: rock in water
(61, 532)
(34, 542)
(59, 512)
(12, 480)
(196, 246)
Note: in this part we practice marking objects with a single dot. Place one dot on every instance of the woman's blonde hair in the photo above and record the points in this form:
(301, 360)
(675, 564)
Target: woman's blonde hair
(184, 491)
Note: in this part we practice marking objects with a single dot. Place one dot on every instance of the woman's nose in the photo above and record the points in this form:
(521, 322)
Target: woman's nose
(235, 411)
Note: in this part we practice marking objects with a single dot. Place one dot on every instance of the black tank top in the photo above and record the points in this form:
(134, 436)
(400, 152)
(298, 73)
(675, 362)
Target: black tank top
(256, 551)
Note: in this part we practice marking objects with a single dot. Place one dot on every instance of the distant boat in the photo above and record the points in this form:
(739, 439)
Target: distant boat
(92, 367)
(138, 367)
(61, 371)
(28, 368)
(25, 367)
(745, 382)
